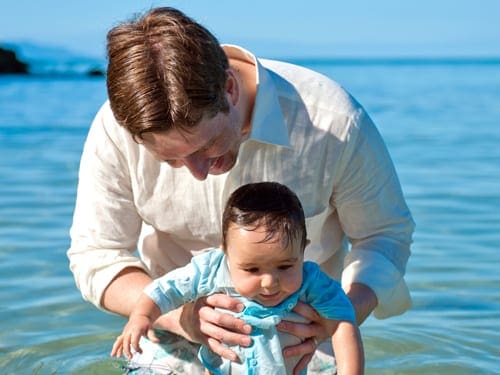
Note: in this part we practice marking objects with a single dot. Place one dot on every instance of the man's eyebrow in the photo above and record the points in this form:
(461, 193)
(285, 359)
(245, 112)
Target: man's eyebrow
(207, 145)
(201, 149)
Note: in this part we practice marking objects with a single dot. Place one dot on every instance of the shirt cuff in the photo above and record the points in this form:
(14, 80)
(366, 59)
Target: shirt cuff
(377, 272)
(92, 281)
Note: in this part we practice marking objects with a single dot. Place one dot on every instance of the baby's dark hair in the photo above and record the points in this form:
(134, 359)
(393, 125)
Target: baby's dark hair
(268, 204)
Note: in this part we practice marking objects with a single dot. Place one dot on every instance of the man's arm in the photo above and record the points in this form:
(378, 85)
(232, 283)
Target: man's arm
(127, 286)
(197, 322)
(374, 216)
(363, 300)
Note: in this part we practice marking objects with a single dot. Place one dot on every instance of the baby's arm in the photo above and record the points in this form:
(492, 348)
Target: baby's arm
(145, 312)
(348, 349)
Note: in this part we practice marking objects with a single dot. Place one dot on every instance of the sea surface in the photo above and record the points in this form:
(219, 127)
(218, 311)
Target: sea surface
(441, 122)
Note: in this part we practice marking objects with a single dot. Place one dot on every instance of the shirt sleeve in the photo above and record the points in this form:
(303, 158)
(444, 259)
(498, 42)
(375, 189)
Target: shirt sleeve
(375, 217)
(187, 283)
(106, 225)
(326, 295)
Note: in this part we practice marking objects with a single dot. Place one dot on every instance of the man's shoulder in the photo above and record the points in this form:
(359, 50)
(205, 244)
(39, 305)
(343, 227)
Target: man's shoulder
(311, 87)
(296, 73)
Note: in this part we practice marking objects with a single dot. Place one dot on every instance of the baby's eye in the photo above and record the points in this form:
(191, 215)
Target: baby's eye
(251, 270)
(285, 267)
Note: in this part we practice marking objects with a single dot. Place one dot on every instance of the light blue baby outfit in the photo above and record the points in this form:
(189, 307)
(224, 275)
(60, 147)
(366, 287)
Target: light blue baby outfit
(208, 273)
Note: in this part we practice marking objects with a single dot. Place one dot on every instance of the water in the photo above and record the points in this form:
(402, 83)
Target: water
(441, 122)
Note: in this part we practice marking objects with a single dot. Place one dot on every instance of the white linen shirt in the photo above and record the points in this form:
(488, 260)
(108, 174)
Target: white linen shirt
(307, 133)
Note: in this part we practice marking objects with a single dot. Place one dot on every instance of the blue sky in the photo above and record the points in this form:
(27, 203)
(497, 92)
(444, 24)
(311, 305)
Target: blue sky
(274, 28)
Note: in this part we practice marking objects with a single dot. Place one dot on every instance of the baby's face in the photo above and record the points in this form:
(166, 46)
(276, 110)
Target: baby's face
(266, 272)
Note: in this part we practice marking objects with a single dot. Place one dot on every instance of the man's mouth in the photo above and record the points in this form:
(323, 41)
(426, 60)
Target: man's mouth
(218, 163)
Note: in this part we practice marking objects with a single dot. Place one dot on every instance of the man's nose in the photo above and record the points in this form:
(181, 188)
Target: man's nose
(198, 166)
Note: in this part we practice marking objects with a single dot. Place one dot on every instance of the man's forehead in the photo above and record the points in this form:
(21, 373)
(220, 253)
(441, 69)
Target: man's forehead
(176, 143)
(176, 137)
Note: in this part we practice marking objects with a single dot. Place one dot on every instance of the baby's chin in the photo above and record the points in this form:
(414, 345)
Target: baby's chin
(272, 300)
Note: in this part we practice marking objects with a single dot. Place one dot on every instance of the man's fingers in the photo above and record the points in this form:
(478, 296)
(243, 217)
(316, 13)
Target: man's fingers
(211, 321)
(222, 350)
(303, 349)
(304, 330)
(306, 311)
(224, 301)
(222, 335)
(223, 319)
(302, 364)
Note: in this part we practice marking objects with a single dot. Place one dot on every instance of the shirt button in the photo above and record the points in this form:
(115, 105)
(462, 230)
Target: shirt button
(291, 306)
(253, 362)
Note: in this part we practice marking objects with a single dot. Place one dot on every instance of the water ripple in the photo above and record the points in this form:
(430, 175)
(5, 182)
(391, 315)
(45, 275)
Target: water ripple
(440, 123)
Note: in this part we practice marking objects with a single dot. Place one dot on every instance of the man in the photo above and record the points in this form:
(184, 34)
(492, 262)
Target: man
(180, 106)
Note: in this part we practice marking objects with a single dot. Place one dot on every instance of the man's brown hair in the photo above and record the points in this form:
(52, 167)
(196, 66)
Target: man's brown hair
(165, 71)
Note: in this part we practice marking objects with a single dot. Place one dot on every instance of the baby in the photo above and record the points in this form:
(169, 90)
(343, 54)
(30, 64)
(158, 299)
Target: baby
(261, 262)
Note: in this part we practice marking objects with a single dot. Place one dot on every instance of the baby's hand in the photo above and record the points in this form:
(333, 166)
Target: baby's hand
(117, 350)
(136, 327)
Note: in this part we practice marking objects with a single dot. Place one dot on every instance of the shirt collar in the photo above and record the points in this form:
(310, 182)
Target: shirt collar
(223, 277)
(268, 124)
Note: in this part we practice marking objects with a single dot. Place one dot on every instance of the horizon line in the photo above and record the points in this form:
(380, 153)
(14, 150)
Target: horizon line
(396, 59)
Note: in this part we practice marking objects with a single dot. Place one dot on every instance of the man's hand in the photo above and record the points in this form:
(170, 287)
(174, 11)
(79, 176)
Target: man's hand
(314, 333)
(200, 322)
(363, 300)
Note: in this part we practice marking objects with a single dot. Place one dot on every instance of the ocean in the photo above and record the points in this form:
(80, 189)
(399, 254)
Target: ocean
(441, 122)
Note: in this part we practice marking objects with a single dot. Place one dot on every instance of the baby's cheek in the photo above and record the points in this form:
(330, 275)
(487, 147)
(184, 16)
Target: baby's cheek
(294, 283)
(245, 288)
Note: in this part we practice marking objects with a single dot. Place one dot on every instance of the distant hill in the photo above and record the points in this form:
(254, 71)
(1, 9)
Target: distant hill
(10, 63)
(53, 60)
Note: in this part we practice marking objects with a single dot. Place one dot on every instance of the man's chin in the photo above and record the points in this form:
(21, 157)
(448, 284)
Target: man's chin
(224, 165)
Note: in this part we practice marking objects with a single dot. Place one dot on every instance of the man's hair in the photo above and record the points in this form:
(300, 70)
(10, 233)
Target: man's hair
(165, 71)
(269, 204)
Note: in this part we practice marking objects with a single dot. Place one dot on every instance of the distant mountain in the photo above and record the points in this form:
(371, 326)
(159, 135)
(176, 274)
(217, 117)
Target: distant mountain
(53, 60)
(10, 63)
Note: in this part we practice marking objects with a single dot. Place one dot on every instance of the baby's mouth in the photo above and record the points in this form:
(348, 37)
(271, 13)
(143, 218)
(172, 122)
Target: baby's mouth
(270, 296)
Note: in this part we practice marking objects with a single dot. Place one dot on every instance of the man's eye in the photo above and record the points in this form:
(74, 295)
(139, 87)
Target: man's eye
(174, 163)
(207, 146)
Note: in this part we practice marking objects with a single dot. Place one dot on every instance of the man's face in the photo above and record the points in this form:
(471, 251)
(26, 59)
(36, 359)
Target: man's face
(210, 148)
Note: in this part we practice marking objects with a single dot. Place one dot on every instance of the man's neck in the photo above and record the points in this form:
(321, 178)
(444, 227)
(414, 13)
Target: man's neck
(245, 73)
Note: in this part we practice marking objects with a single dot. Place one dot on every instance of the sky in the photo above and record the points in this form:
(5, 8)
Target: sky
(277, 28)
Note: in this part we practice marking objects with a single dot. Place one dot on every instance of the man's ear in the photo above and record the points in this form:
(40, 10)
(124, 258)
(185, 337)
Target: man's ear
(232, 87)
